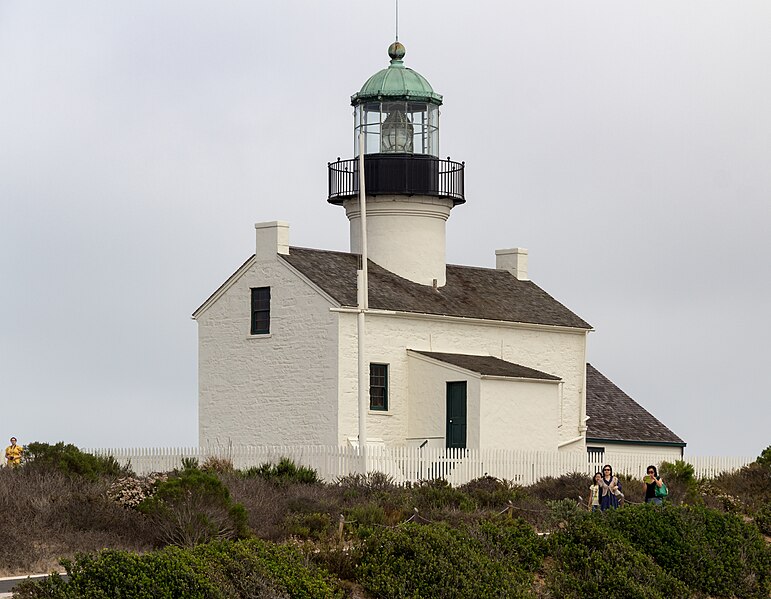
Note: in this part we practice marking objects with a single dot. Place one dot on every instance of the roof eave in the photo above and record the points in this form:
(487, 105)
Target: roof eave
(224, 287)
(636, 441)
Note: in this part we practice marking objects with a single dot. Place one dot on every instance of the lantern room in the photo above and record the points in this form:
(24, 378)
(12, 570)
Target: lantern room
(397, 111)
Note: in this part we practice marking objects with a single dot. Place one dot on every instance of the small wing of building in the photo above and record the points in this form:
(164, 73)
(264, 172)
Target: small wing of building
(618, 423)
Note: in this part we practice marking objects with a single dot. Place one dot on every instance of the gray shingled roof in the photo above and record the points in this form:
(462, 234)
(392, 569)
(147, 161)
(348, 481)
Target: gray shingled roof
(614, 416)
(470, 292)
(489, 365)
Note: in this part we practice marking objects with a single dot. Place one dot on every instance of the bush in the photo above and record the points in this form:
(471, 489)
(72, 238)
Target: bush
(432, 496)
(70, 460)
(511, 540)
(715, 553)
(244, 568)
(119, 574)
(678, 471)
(435, 561)
(130, 491)
(224, 570)
(285, 472)
(217, 465)
(372, 481)
(590, 559)
(679, 476)
(364, 519)
(194, 507)
(763, 519)
(313, 525)
(749, 488)
(568, 486)
(764, 459)
(490, 492)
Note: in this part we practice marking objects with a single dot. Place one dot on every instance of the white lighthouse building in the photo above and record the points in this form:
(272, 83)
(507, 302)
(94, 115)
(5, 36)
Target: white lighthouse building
(457, 356)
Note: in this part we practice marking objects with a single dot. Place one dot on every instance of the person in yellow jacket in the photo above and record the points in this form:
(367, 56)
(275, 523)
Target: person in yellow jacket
(13, 454)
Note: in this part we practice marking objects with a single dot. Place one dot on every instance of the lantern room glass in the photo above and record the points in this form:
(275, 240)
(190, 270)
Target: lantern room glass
(397, 127)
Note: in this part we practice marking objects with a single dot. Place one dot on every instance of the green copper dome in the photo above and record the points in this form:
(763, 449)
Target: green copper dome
(397, 82)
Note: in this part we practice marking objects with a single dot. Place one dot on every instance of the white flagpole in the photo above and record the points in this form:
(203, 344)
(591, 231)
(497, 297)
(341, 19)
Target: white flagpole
(363, 298)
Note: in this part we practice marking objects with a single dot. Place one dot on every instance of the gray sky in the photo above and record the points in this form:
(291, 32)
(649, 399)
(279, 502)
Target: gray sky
(626, 144)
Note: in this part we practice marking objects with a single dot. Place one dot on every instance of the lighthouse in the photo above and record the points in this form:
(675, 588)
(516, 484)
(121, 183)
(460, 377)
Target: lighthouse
(410, 190)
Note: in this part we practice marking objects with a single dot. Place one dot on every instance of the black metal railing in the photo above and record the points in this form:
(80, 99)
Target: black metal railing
(407, 174)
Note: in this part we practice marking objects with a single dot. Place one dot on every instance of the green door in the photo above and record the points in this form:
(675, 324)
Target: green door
(456, 415)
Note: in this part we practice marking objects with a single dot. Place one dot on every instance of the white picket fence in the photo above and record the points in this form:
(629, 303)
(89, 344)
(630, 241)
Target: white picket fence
(412, 464)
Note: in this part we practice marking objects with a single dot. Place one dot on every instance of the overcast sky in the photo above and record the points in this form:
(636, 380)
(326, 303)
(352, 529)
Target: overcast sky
(627, 145)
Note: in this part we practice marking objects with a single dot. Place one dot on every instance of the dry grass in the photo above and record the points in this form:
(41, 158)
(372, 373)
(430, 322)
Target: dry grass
(45, 516)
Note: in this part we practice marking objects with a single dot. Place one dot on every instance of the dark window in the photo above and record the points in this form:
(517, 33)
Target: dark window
(378, 387)
(598, 452)
(260, 310)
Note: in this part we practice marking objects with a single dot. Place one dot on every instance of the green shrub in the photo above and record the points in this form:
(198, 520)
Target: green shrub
(312, 525)
(590, 559)
(285, 472)
(712, 552)
(679, 470)
(247, 568)
(561, 512)
(70, 460)
(194, 507)
(764, 459)
(763, 519)
(122, 575)
(224, 570)
(511, 540)
(189, 463)
(680, 479)
(365, 518)
(435, 561)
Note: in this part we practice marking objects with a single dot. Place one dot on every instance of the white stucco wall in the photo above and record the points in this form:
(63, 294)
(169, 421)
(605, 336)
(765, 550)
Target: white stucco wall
(559, 352)
(519, 414)
(275, 389)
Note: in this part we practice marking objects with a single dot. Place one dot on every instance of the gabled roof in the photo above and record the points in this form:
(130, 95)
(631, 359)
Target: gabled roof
(489, 366)
(614, 416)
(470, 292)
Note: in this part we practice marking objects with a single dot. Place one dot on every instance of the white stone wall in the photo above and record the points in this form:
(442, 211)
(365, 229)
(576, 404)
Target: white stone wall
(279, 388)
(427, 410)
(663, 452)
(519, 414)
(558, 352)
(406, 237)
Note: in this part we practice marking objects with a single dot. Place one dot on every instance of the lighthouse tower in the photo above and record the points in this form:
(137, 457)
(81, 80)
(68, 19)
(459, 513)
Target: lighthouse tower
(409, 189)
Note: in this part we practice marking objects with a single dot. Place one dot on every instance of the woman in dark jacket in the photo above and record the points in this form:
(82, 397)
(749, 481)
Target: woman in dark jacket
(651, 482)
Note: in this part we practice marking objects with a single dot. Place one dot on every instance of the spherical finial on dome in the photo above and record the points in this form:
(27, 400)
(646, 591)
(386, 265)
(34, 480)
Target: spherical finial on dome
(396, 51)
